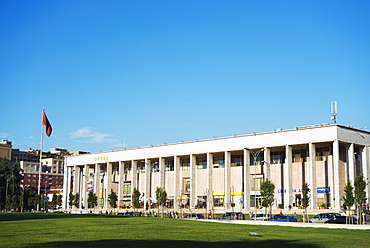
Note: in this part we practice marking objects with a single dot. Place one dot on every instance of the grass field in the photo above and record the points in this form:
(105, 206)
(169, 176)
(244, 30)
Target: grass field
(63, 230)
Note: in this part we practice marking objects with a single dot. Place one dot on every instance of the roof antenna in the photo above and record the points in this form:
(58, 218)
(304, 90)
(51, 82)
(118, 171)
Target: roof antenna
(334, 111)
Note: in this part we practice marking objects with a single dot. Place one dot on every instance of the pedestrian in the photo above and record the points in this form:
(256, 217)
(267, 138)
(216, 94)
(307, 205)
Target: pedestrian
(281, 212)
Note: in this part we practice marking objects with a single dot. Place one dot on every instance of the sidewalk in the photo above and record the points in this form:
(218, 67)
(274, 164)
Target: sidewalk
(293, 224)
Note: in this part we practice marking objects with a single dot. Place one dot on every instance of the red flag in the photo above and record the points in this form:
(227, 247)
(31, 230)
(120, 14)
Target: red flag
(46, 123)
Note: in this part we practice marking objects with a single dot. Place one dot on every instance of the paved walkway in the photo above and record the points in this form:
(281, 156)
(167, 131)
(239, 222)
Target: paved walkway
(294, 224)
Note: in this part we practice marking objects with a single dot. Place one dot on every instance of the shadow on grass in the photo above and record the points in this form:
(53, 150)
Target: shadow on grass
(176, 243)
(35, 216)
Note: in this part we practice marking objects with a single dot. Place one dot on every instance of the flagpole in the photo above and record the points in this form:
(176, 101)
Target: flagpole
(40, 166)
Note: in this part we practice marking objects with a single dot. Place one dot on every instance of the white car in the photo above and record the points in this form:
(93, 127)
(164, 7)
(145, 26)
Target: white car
(322, 218)
(260, 217)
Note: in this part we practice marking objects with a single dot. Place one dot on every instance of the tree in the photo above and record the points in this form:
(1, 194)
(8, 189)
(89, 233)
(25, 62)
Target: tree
(53, 202)
(4, 173)
(305, 199)
(161, 196)
(32, 198)
(359, 194)
(113, 199)
(348, 198)
(92, 200)
(76, 200)
(71, 199)
(135, 198)
(59, 200)
(267, 192)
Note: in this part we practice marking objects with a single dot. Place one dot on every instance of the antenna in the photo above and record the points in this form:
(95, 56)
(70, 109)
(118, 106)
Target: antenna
(334, 111)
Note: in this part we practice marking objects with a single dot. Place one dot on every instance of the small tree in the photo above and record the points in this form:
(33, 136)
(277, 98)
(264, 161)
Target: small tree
(161, 196)
(136, 198)
(305, 199)
(348, 198)
(92, 200)
(71, 199)
(59, 200)
(76, 200)
(360, 194)
(267, 193)
(113, 199)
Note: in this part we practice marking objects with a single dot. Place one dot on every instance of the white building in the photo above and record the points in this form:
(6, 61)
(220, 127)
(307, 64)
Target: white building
(226, 172)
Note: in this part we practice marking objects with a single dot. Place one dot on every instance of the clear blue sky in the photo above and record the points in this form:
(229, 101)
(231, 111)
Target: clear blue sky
(115, 74)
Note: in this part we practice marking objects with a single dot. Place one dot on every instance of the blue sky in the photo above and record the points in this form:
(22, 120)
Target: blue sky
(114, 74)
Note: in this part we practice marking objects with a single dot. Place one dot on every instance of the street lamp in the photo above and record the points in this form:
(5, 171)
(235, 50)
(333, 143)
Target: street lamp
(255, 156)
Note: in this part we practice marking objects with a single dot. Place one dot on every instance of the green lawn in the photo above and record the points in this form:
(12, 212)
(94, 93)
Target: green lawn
(63, 230)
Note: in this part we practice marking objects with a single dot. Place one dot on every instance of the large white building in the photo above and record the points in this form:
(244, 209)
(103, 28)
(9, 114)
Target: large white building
(222, 173)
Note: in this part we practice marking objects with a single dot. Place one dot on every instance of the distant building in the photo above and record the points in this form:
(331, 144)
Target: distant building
(6, 149)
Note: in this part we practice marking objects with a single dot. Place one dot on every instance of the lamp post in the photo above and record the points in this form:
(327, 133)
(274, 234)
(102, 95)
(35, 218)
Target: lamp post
(255, 156)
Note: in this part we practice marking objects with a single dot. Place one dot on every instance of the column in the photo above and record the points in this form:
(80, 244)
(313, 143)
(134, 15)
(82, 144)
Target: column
(266, 164)
(134, 177)
(351, 163)
(366, 170)
(209, 181)
(108, 179)
(247, 172)
(176, 165)
(336, 174)
(162, 172)
(312, 183)
(193, 197)
(227, 180)
(75, 180)
(288, 180)
(66, 184)
(84, 185)
(148, 173)
(121, 166)
(97, 180)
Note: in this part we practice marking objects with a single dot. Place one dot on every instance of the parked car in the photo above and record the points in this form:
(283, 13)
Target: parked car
(232, 216)
(194, 216)
(127, 214)
(261, 217)
(342, 220)
(284, 218)
(321, 218)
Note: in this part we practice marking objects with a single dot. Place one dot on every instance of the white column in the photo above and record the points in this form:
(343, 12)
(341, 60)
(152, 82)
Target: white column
(193, 180)
(288, 180)
(247, 172)
(209, 181)
(366, 170)
(97, 181)
(227, 180)
(312, 183)
(121, 166)
(147, 180)
(134, 177)
(162, 172)
(84, 185)
(108, 184)
(350, 163)
(66, 184)
(75, 180)
(266, 164)
(176, 165)
(336, 173)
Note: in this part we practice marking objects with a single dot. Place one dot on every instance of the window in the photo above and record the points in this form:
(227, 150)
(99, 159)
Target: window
(169, 166)
(299, 156)
(127, 189)
(277, 157)
(322, 154)
(236, 160)
(218, 201)
(258, 160)
(185, 163)
(218, 161)
(201, 162)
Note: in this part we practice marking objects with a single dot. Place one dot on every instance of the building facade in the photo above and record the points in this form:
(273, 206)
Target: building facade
(225, 173)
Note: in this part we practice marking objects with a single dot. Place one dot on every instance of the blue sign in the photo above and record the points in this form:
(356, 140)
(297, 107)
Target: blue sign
(323, 189)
